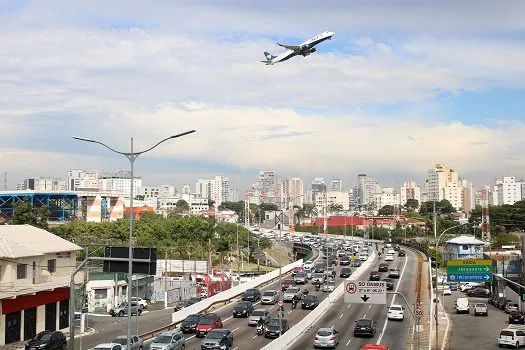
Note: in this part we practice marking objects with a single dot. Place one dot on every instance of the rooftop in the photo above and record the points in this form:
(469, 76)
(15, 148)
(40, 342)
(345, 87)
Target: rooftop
(465, 240)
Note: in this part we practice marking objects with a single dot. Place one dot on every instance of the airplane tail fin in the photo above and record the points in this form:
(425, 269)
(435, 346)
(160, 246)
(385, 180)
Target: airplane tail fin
(269, 56)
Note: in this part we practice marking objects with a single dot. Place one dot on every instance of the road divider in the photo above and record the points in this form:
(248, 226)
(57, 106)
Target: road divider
(293, 334)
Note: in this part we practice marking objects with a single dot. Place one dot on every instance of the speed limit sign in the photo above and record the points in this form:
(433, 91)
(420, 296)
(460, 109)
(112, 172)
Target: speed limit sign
(419, 313)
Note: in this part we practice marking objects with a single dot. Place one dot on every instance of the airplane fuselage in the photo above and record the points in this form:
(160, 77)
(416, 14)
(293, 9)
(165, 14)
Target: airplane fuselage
(304, 49)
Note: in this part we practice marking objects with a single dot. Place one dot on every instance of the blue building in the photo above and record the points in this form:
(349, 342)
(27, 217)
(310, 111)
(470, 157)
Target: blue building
(62, 205)
(463, 247)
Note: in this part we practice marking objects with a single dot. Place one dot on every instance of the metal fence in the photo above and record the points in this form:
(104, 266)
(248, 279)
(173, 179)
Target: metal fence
(175, 290)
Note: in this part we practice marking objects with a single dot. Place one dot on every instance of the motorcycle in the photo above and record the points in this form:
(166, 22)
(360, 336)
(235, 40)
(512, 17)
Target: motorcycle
(305, 292)
(260, 329)
(294, 304)
(318, 287)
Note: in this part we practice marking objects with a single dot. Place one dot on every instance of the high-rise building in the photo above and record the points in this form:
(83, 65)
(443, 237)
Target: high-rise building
(508, 190)
(216, 189)
(367, 188)
(467, 195)
(386, 196)
(234, 195)
(353, 198)
(409, 190)
(120, 183)
(318, 186)
(204, 188)
(337, 185)
(78, 179)
(293, 192)
(43, 184)
(339, 198)
(267, 186)
(443, 183)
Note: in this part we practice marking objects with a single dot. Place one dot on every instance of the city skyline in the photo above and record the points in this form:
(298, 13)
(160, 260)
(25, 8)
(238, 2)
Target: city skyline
(396, 89)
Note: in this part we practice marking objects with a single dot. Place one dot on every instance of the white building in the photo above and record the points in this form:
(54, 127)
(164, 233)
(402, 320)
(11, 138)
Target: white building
(78, 179)
(267, 185)
(367, 188)
(337, 185)
(293, 192)
(508, 190)
(409, 190)
(42, 184)
(318, 187)
(234, 195)
(443, 183)
(216, 189)
(120, 183)
(36, 268)
(332, 198)
(387, 196)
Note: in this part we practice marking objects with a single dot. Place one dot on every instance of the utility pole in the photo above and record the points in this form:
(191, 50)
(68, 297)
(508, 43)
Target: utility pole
(434, 217)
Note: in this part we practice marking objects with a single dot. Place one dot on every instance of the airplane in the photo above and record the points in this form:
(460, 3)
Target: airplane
(303, 49)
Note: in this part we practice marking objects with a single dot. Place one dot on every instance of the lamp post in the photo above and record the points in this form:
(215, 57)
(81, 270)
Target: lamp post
(436, 274)
(131, 156)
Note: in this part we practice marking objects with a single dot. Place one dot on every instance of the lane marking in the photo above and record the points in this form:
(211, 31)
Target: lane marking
(289, 312)
(364, 316)
(369, 306)
(348, 342)
(349, 306)
(236, 329)
(341, 316)
(227, 318)
(392, 302)
(255, 336)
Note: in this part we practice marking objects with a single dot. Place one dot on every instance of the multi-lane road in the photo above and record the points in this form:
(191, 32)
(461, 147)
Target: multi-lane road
(342, 316)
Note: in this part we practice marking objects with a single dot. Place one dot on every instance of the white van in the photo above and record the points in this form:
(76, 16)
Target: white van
(363, 256)
(513, 335)
(462, 305)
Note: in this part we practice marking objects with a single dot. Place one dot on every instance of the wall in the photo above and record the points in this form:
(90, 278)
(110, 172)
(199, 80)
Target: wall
(177, 290)
(512, 295)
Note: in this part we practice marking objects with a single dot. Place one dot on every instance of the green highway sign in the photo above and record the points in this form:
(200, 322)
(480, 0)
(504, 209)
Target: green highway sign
(469, 269)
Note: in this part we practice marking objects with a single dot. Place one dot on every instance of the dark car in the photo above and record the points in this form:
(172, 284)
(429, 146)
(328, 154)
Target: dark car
(517, 317)
(251, 295)
(365, 327)
(219, 338)
(356, 263)
(397, 248)
(287, 283)
(383, 267)
(185, 303)
(243, 309)
(393, 273)
(309, 302)
(345, 272)
(48, 340)
(479, 293)
(344, 261)
(374, 276)
(401, 253)
(273, 327)
(389, 283)
(319, 268)
(207, 323)
(189, 325)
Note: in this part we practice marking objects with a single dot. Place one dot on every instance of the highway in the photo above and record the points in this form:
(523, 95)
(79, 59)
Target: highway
(469, 331)
(343, 316)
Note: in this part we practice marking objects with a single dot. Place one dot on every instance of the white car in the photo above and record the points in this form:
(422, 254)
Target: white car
(141, 302)
(447, 291)
(108, 346)
(308, 265)
(269, 297)
(391, 251)
(363, 256)
(291, 292)
(329, 286)
(389, 257)
(396, 312)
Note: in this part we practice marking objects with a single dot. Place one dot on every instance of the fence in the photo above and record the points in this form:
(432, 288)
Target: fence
(175, 291)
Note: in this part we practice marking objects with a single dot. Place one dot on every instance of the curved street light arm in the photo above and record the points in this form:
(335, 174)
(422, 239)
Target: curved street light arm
(100, 143)
(164, 140)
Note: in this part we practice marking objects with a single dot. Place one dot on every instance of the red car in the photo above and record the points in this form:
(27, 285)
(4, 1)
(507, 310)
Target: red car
(296, 269)
(206, 323)
(287, 283)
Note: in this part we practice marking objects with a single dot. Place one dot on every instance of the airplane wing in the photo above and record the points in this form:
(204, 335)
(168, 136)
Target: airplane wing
(290, 47)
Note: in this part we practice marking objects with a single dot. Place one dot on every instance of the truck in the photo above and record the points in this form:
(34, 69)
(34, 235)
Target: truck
(462, 305)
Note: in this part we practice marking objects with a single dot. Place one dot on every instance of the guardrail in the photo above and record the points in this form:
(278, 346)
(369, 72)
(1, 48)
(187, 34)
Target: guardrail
(287, 339)
(221, 298)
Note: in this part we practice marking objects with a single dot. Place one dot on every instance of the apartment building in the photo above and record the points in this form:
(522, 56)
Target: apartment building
(443, 183)
(216, 189)
(387, 196)
(42, 184)
(409, 190)
(366, 190)
(120, 183)
(35, 270)
(293, 192)
(337, 185)
(508, 190)
(467, 195)
(318, 187)
(81, 180)
(332, 198)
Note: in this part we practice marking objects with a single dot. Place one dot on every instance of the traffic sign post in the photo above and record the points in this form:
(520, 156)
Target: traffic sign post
(469, 270)
(365, 292)
(419, 313)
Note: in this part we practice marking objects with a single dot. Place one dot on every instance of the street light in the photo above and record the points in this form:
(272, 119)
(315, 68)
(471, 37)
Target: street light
(436, 301)
(131, 156)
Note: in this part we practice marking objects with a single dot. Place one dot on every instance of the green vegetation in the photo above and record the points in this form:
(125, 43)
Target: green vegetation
(503, 218)
(24, 213)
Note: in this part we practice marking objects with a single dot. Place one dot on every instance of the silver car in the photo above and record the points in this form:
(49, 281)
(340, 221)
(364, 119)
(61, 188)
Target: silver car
(170, 340)
(329, 286)
(136, 342)
(257, 315)
(300, 278)
(326, 338)
(292, 292)
(269, 297)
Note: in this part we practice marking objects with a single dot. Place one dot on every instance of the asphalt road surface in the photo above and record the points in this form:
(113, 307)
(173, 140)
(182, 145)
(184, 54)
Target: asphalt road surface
(467, 331)
(392, 333)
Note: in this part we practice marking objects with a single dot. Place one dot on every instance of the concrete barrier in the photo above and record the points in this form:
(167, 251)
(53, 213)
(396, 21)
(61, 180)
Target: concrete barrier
(293, 334)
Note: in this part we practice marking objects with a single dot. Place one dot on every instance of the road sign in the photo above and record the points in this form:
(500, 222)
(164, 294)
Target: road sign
(420, 259)
(469, 270)
(365, 292)
(280, 303)
(419, 313)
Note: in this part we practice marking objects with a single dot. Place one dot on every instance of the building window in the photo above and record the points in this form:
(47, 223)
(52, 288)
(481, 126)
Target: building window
(21, 271)
(465, 247)
(101, 293)
(52, 265)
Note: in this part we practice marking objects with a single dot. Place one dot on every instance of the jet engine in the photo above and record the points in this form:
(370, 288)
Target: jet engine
(306, 53)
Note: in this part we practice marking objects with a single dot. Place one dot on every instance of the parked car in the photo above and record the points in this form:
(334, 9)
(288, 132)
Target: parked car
(326, 338)
(207, 323)
(365, 327)
(257, 315)
(136, 342)
(269, 297)
(480, 309)
(141, 302)
(169, 340)
(107, 346)
(309, 302)
(345, 272)
(122, 310)
(273, 328)
(516, 317)
(252, 294)
(478, 292)
(509, 307)
(374, 276)
(243, 309)
(189, 324)
(47, 340)
(219, 338)
(185, 303)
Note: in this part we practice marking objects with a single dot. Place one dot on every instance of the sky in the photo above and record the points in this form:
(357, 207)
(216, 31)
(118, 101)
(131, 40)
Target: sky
(401, 86)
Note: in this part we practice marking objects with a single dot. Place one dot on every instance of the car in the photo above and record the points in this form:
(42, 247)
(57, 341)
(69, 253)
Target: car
(330, 272)
(309, 302)
(363, 256)
(383, 267)
(257, 315)
(393, 273)
(274, 329)
(511, 307)
(329, 286)
(219, 338)
(319, 268)
(189, 324)
(478, 292)
(365, 327)
(252, 294)
(47, 340)
(447, 291)
(169, 340)
(481, 309)
(374, 276)
(516, 317)
(269, 297)
(107, 346)
(469, 285)
(242, 309)
(292, 292)
(287, 283)
(401, 253)
(308, 265)
(300, 278)
(326, 338)
(345, 272)
(141, 302)
(122, 310)
(344, 261)
(389, 257)
(397, 247)
(389, 283)
(396, 312)
(453, 286)
(391, 251)
(356, 263)
(375, 347)
(207, 323)
(318, 278)
(136, 342)
(185, 303)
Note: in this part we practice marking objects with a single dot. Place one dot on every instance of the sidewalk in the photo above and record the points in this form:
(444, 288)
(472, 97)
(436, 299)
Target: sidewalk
(443, 320)
(21, 345)
(424, 322)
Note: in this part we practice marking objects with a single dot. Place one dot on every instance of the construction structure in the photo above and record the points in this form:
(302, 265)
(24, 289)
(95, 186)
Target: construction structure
(485, 221)
(100, 206)
(62, 205)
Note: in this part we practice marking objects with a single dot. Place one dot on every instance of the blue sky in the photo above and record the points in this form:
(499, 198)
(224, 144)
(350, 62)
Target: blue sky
(402, 85)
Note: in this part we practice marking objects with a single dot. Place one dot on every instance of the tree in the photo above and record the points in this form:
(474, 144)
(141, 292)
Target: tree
(412, 204)
(211, 203)
(309, 210)
(387, 210)
(442, 207)
(268, 207)
(335, 208)
(506, 239)
(24, 213)
(182, 206)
